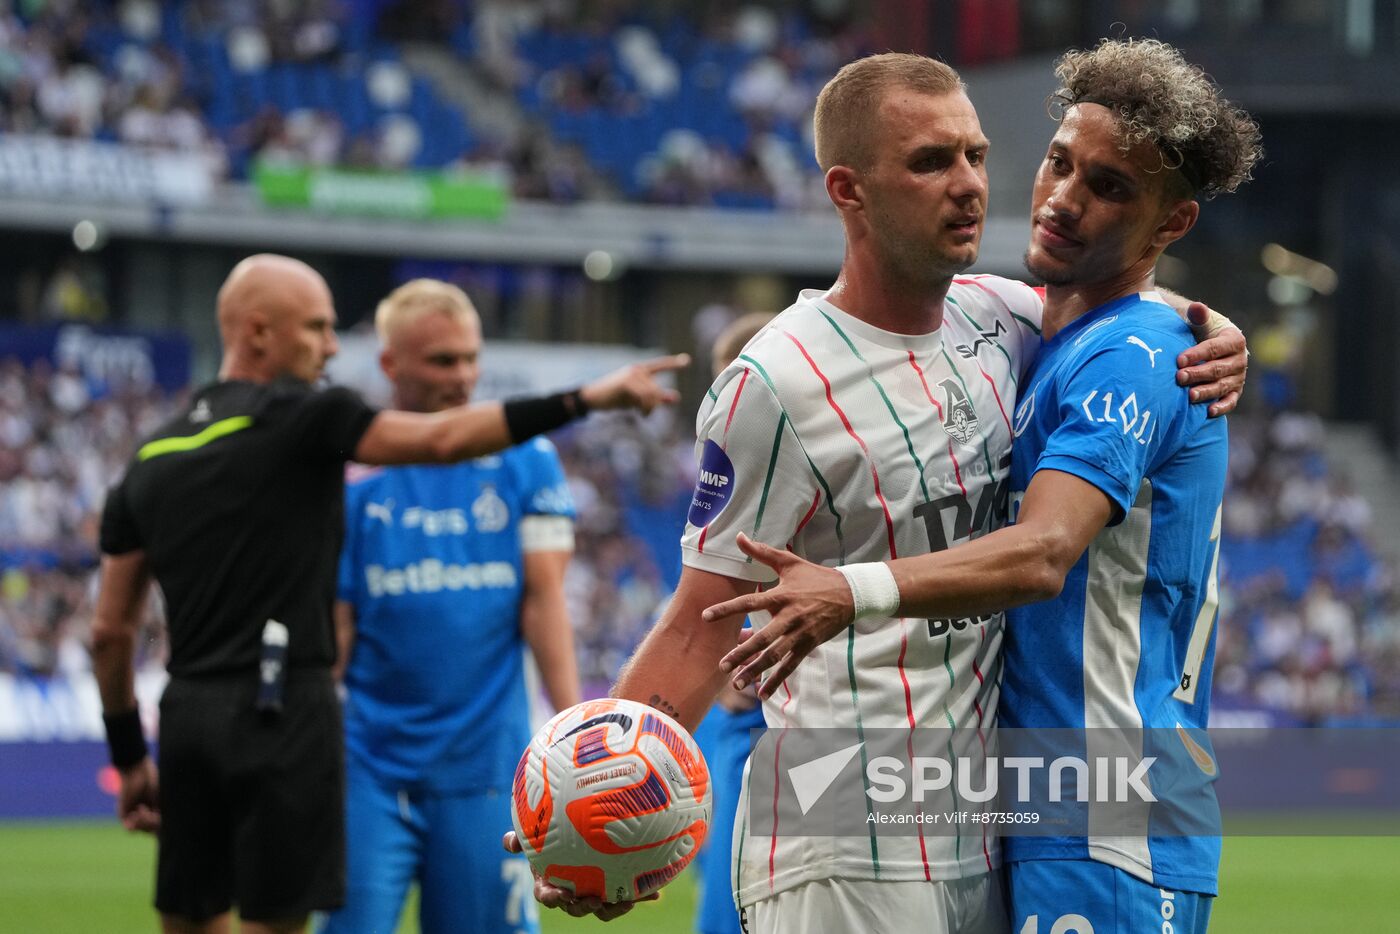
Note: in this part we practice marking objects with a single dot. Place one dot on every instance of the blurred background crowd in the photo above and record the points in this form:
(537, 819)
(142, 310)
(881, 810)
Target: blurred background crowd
(672, 106)
(666, 103)
(1310, 608)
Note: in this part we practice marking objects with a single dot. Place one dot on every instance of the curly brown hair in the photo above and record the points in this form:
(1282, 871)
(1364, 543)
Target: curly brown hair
(1163, 99)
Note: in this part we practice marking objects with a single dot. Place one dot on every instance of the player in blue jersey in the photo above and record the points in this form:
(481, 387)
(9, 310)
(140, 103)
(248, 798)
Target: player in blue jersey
(447, 575)
(1118, 480)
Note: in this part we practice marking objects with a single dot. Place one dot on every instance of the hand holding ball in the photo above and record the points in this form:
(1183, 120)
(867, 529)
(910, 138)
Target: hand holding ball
(612, 799)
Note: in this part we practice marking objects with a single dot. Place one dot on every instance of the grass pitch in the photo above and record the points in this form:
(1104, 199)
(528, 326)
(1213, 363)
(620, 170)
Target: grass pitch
(79, 877)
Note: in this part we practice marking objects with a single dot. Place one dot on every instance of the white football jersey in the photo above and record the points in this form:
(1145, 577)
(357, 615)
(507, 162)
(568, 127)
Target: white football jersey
(845, 443)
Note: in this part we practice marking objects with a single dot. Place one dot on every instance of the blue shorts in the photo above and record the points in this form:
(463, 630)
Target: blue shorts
(450, 843)
(1082, 896)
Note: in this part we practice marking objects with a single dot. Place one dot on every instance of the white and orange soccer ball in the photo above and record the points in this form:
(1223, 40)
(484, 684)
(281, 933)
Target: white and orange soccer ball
(611, 799)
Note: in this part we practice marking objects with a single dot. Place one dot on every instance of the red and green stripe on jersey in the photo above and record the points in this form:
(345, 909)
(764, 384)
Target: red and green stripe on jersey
(898, 436)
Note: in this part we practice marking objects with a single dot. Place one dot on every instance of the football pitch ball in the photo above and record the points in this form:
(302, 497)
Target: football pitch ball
(611, 799)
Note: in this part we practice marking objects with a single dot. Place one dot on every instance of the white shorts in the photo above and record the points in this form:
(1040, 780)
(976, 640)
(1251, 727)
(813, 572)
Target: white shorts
(974, 905)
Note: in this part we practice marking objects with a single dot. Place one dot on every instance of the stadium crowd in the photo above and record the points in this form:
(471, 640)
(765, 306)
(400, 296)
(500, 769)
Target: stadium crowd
(1310, 610)
(658, 103)
(63, 439)
(631, 481)
(56, 81)
(1309, 621)
(673, 106)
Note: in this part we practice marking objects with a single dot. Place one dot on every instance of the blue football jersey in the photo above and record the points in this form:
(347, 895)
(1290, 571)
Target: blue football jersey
(1129, 642)
(432, 563)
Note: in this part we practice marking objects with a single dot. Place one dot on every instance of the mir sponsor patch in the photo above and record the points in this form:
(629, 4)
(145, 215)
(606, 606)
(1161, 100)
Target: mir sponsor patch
(712, 486)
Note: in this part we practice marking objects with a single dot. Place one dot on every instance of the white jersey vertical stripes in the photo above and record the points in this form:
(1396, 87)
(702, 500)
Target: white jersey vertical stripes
(847, 443)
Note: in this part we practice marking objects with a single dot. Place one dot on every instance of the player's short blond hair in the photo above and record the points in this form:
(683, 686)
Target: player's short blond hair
(412, 300)
(846, 107)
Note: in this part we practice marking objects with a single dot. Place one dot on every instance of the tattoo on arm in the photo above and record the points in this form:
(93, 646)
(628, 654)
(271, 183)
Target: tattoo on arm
(661, 704)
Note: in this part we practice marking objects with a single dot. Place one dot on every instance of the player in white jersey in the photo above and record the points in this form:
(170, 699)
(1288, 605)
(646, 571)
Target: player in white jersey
(1118, 516)
(867, 421)
(847, 442)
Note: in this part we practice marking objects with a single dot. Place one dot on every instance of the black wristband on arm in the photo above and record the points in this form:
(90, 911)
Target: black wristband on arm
(526, 418)
(125, 741)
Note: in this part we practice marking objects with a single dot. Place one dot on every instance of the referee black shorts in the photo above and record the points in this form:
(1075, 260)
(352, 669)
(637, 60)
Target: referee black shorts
(252, 806)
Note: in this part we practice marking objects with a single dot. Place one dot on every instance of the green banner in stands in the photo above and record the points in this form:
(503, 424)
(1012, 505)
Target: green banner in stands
(394, 194)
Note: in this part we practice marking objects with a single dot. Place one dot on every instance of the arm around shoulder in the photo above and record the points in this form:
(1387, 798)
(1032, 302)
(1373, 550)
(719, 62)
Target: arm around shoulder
(1023, 563)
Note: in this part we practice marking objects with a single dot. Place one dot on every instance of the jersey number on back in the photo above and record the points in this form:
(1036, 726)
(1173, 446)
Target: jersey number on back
(1065, 924)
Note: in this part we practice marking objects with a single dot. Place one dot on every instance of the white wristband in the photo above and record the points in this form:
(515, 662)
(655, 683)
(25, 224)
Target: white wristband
(872, 588)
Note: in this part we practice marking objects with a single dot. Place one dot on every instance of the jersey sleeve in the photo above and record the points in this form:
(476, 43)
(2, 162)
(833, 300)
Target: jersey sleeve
(543, 486)
(752, 477)
(331, 422)
(1120, 413)
(118, 532)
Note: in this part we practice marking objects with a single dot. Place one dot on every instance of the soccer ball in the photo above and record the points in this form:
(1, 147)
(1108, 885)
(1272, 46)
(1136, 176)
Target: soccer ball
(611, 799)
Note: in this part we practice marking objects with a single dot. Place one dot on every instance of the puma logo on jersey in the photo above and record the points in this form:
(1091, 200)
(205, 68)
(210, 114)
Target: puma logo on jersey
(1151, 353)
(983, 337)
(709, 478)
(384, 511)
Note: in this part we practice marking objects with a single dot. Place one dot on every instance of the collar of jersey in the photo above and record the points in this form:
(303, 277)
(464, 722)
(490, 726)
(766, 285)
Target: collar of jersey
(868, 332)
(1078, 325)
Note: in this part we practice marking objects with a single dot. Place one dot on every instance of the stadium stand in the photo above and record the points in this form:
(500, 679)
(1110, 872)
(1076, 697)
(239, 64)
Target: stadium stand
(1308, 621)
(1309, 625)
(63, 439)
(677, 108)
(234, 81)
(667, 107)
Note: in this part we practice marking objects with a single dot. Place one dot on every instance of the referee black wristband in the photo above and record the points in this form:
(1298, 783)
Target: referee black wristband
(526, 418)
(125, 741)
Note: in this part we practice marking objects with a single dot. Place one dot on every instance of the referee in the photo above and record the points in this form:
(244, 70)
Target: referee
(234, 508)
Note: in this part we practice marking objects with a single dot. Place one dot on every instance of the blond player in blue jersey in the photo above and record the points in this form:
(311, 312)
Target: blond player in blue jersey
(838, 433)
(448, 574)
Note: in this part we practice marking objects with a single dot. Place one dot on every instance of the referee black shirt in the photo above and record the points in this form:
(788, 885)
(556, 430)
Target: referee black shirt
(238, 503)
